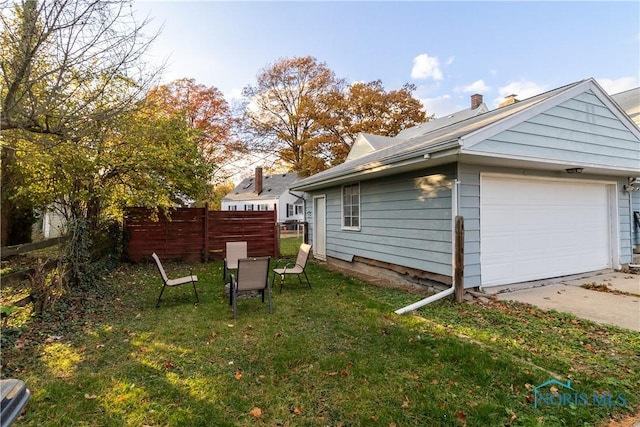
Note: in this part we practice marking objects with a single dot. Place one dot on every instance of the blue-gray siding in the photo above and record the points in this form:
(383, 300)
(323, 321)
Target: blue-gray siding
(405, 220)
(578, 131)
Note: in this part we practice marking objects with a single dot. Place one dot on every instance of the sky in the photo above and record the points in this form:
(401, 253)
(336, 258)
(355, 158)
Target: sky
(449, 50)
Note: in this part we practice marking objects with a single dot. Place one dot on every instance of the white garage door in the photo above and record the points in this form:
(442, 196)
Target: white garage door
(534, 229)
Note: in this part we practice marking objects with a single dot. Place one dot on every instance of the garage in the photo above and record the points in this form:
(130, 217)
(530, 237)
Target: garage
(536, 228)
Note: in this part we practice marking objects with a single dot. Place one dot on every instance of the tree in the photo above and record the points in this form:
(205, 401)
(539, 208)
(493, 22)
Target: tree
(281, 110)
(301, 110)
(69, 68)
(366, 108)
(205, 110)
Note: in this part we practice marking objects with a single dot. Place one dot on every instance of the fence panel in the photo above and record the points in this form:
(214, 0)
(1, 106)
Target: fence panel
(193, 234)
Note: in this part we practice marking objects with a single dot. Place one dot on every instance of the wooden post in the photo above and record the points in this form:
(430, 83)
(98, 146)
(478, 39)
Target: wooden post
(276, 232)
(205, 256)
(458, 278)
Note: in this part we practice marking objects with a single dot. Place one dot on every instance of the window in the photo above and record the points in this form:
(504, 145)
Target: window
(298, 209)
(233, 207)
(263, 207)
(351, 206)
(248, 207)
(289, 210)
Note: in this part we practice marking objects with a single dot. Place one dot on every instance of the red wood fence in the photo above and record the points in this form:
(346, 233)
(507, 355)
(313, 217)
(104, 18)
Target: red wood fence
(198, 234)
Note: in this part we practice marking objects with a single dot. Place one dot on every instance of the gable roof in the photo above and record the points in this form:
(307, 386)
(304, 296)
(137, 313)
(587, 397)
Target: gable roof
(452, 140)
(273, 186)
(629, 101)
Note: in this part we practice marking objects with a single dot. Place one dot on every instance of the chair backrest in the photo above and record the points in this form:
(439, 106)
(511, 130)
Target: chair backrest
(159, 265)
(253, 273)
(303, 255)
(235, 251)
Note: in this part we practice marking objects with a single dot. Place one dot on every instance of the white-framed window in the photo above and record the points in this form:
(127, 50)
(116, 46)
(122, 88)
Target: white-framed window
(351, 206)
(299, 209)
(289, 210)
(232, 207)
(263, 207)
(248, 207)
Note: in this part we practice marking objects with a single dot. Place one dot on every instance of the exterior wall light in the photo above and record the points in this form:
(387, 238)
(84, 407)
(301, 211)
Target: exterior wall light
(574, 170)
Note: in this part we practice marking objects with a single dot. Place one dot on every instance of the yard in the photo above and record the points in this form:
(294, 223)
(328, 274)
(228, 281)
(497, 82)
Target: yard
(333, 355)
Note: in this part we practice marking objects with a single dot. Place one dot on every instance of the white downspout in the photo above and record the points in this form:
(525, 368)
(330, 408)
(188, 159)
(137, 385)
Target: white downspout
(454, 212)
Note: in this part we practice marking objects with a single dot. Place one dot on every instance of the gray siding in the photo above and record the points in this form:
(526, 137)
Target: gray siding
(579, 131)
(405, 220)
(469, 176)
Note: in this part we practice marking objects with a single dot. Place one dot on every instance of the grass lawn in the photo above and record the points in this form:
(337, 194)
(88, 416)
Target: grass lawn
(334, 355)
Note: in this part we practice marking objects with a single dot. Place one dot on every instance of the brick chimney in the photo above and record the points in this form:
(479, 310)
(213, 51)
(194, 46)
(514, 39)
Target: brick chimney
(476, 101)
(258, 181)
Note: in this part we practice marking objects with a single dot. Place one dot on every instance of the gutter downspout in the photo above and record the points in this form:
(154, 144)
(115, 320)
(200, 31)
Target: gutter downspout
(455, 210)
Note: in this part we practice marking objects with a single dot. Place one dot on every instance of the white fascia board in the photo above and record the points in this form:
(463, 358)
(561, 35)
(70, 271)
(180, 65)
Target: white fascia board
(621, 171)
(525, 114)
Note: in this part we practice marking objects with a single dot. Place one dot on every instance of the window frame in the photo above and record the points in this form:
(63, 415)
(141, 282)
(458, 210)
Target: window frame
(350, 226)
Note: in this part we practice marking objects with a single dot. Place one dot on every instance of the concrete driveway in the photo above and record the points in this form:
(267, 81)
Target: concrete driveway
(614, 297)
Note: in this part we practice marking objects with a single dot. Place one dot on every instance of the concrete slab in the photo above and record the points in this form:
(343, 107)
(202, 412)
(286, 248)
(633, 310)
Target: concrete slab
(621, 282)
(568, 296)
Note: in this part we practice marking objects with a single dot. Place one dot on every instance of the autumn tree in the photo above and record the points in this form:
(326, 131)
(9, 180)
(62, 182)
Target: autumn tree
(281, 110)
(69, 68)
(302, 111)
(366, 108)
(204, 110)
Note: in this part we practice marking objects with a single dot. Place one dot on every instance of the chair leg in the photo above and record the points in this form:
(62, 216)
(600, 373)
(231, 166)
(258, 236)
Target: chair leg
(269, 295)
(195, 291)
(160, 296)
(307, 277)
(234, 303)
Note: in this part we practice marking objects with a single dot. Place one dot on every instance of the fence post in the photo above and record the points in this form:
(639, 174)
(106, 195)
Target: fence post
(205, 257)
(458, 279)
(276, 232)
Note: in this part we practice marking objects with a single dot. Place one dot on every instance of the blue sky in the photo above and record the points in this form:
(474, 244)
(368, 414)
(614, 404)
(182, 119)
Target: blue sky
(449, 50)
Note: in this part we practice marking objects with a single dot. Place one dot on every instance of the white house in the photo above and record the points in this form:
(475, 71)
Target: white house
(263, 192)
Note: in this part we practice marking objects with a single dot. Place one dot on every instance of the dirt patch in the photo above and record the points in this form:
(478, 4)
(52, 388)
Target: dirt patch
(630, 421)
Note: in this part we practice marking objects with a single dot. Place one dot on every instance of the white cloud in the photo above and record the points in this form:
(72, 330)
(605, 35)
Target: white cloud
(450, 60)
(479, 86)
(440, 106)
(425, 66)
(613, 86)
(522, 89)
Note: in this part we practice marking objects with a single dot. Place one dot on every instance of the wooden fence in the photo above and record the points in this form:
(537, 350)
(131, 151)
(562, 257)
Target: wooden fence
(198, 234)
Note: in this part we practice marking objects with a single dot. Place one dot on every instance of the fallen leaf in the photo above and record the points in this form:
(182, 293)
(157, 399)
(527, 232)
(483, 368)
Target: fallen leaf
(297, 410)
(528, 386)
(238, 375)
(256, 412)
(343, 373)
(405, 403)
(168, 364)
(332, 374)
(554, 390)
(90, 396)
(461, 416)
(99, 345)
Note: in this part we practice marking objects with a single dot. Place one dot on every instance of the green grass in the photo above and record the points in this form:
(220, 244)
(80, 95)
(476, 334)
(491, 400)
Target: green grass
(333, 355)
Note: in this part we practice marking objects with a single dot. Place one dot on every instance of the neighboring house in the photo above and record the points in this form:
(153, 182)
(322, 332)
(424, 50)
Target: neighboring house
(262, 193)
(540, 184)
(51, 223)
